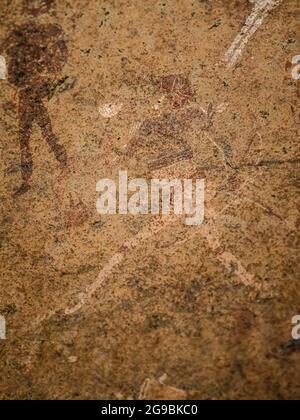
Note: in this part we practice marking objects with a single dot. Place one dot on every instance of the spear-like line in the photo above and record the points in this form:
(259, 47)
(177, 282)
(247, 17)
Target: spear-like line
(261, 11)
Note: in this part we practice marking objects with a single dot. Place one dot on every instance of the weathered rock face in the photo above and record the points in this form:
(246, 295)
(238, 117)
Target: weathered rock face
(143, 306)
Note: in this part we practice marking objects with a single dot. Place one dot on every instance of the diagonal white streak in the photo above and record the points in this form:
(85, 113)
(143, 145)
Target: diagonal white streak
(261, 11)
(3, 69)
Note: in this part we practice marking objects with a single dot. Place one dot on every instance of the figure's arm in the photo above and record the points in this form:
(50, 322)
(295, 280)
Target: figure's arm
(56, 54)
(3, 46)
(7, 42)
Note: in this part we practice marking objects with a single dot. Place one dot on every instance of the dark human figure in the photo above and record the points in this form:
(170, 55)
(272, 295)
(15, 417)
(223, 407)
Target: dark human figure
(36, 54)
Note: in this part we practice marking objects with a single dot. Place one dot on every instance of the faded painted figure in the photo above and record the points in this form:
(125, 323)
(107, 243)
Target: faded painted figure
(36, 54)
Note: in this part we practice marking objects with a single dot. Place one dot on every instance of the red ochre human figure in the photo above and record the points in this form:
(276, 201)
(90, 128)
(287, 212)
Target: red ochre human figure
(36, 54)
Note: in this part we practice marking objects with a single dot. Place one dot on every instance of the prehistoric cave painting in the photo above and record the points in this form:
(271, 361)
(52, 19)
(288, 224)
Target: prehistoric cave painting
(36, 54)
(36, 7)
(178, 89)
(160, 139)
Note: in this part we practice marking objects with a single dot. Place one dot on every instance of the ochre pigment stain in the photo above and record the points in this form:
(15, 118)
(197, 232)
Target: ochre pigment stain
(178, 89)
(37, 53)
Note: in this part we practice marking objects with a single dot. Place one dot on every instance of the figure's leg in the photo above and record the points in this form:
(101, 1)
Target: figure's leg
(25, 124)
(44, 122)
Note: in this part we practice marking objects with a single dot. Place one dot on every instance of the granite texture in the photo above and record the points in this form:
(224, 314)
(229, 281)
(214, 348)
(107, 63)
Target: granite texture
(126, 307)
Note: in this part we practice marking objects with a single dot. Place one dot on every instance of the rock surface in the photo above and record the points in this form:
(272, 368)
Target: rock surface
(96, 305)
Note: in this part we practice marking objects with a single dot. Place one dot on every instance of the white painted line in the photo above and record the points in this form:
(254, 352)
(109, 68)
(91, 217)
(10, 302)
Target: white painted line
(296, 69)
(118, 258)
(2, 328)
(262, 9)
(3, 68)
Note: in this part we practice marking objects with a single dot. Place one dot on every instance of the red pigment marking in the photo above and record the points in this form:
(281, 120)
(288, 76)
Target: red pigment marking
(36, 54)
(178, 89)
(36, 7)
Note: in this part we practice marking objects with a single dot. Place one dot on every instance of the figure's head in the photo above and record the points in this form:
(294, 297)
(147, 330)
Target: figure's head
(37, 7)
